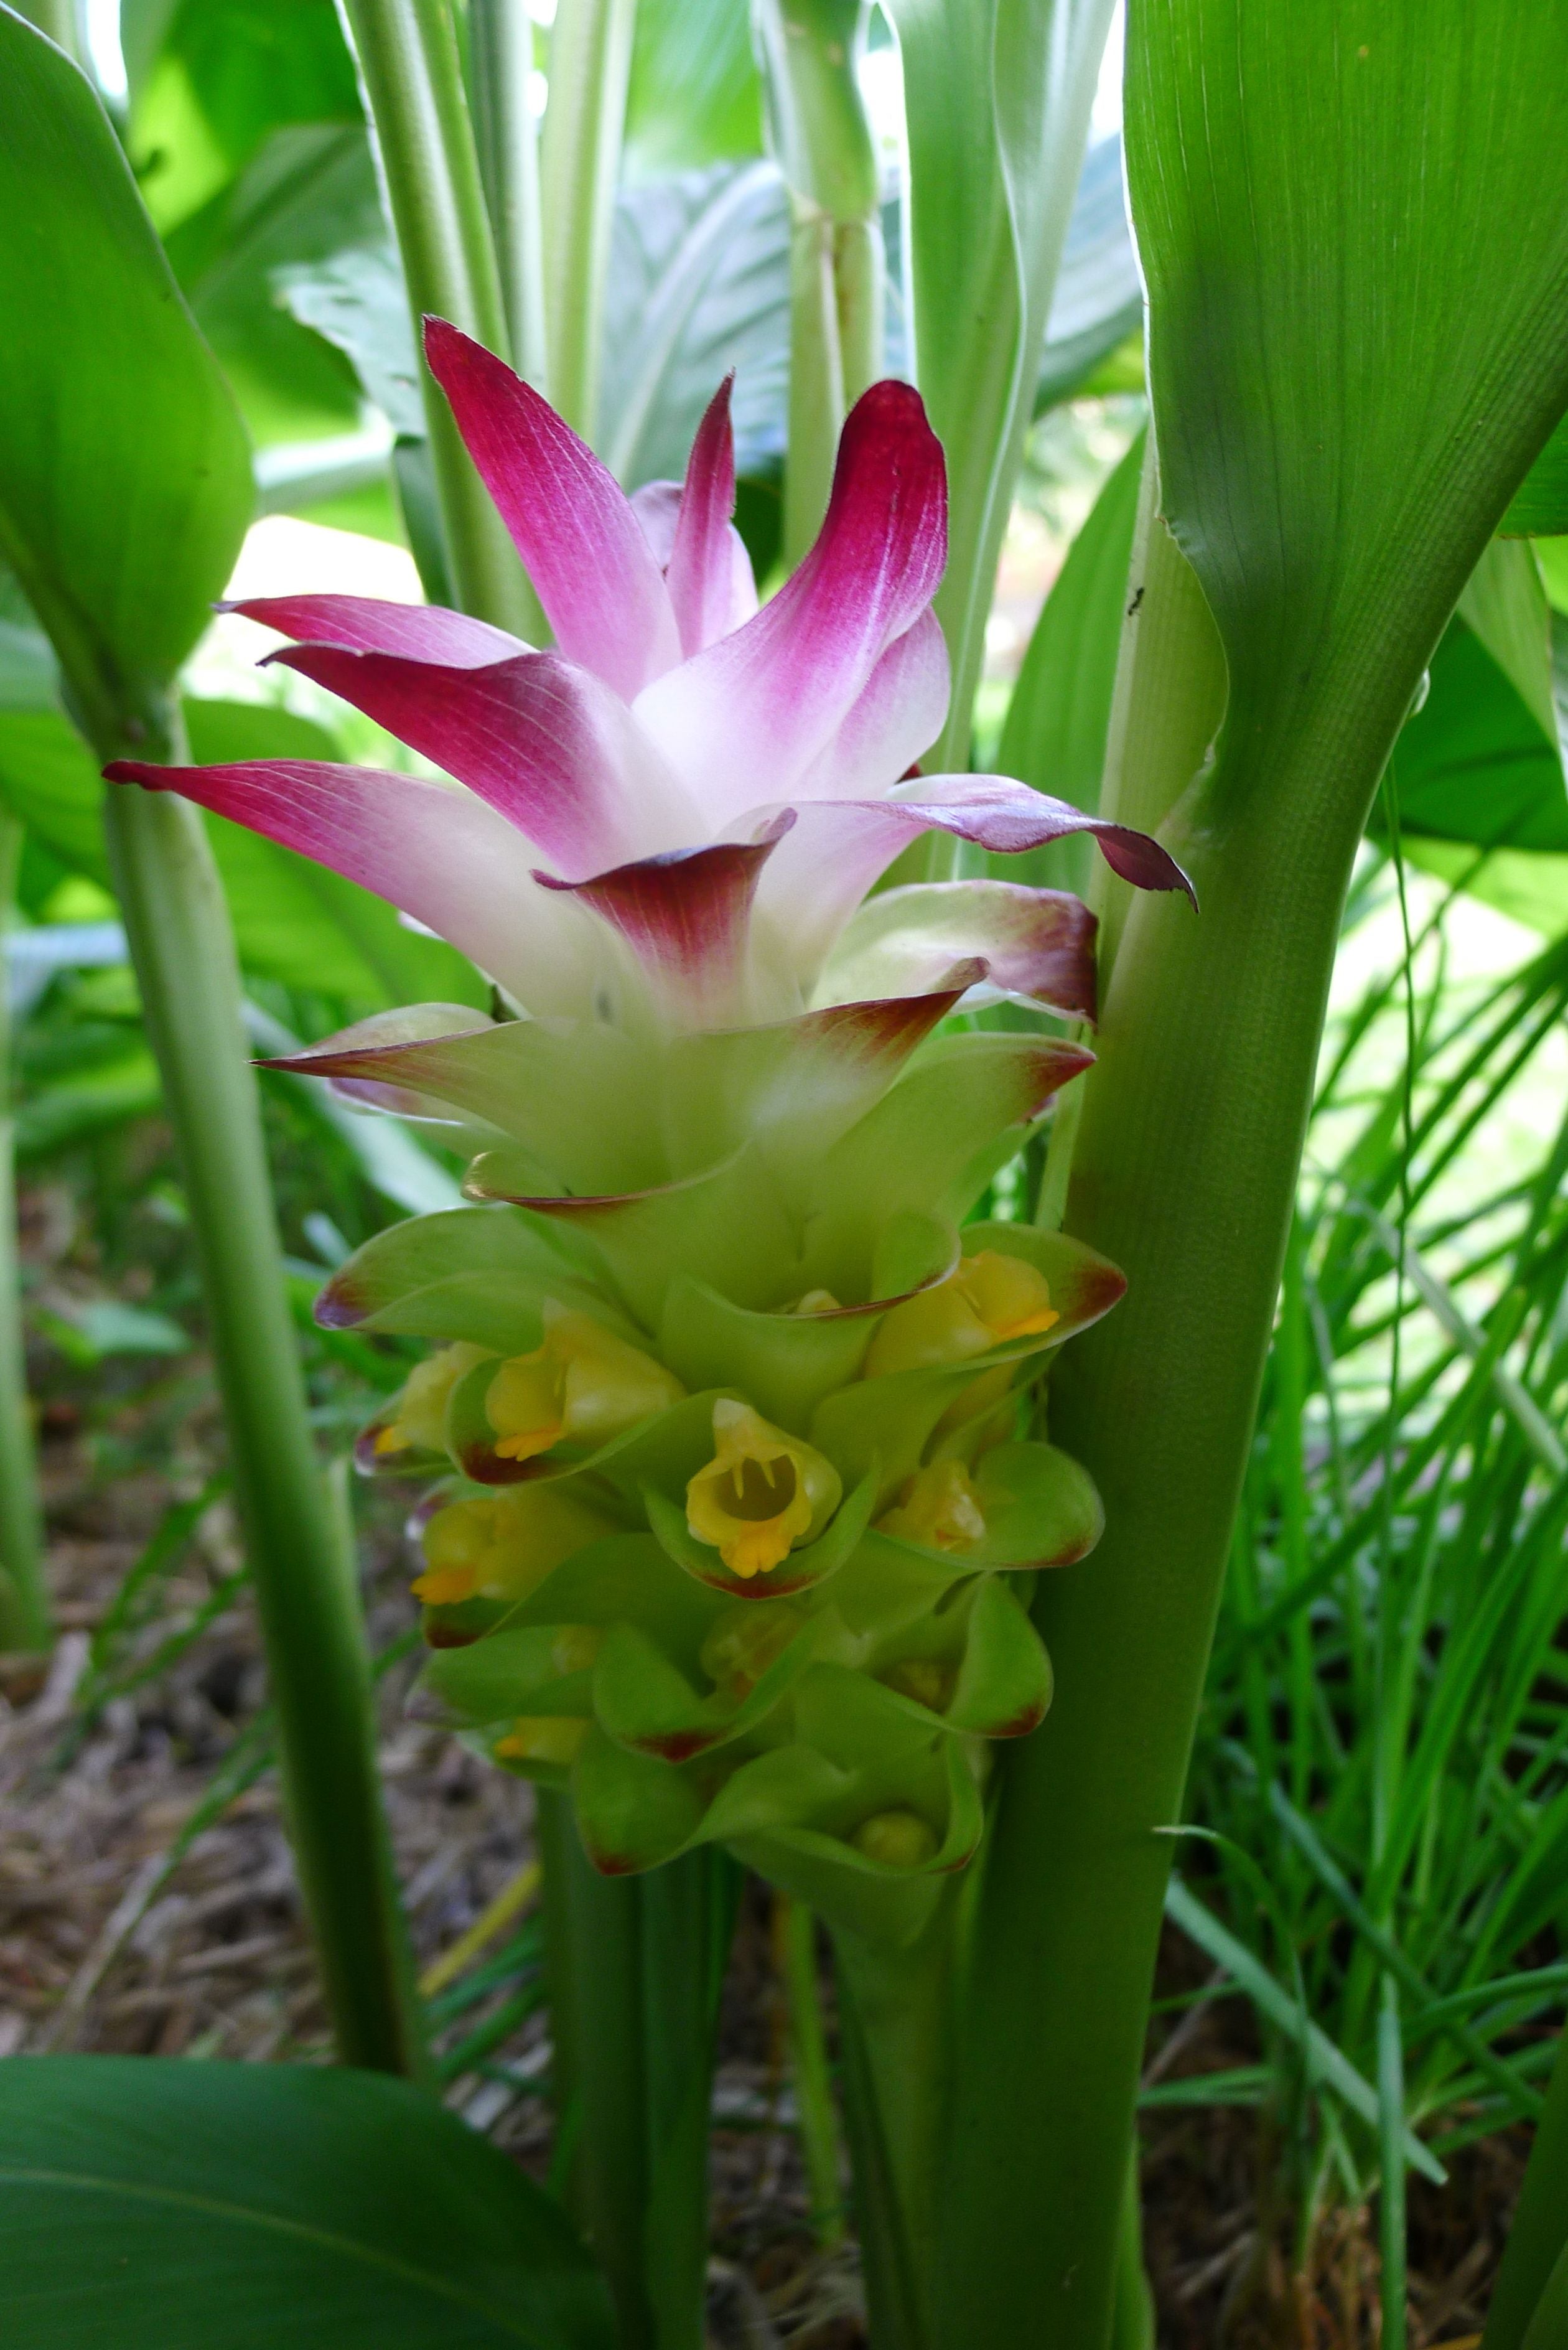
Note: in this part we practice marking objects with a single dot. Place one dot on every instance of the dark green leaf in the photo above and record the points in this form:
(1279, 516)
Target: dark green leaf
(151, 2205)
(125, 482)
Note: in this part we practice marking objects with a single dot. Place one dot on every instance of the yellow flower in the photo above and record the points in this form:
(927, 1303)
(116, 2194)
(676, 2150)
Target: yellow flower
(502, 1546)
(582, 1383)
(936, 1506)
(418, 1416)
(989, 1301)
(762, 1494)
(542, 1738)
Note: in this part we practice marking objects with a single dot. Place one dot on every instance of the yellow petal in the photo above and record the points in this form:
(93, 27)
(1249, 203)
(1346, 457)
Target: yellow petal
(760, 1494)
(418, 1418)
(1007, 1294)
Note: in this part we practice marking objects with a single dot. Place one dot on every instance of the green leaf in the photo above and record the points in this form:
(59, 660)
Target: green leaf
(694, 96)
(1099, 300)
(1060, 714)
(241, 67)
(1472, 764)
(152, 2205)
(997, 94)
(125, 482)
(1505, 603)
(293, 921)
(699, 283)
(1539, 507)
(308, 194)
(358, 300)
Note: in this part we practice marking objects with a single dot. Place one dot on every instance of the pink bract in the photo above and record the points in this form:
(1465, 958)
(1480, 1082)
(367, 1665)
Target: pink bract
(689, 797)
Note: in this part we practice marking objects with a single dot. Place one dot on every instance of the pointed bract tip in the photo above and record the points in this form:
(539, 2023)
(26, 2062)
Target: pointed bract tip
(136, 771)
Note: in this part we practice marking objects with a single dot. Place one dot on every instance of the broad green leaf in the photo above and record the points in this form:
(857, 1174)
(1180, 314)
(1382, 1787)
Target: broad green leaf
(308, 194)
(1505, 603)
(699, 283)
(58, 1114)
(210, 79)
(1539, 507)
(1328, 557)
(997, 95)
(358, 300)
(151, 2205)
(125, 482)
(1473, 764)
(694, 97)
(293, 921)
(1060, 714)
(1529, 886)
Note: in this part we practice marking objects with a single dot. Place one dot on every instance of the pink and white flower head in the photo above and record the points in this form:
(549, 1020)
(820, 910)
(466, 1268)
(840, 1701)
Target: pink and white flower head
(675, 814)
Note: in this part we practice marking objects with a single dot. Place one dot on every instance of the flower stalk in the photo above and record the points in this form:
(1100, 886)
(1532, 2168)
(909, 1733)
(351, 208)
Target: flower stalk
(412, 76)
(24, 1613)
(501, 52)
(811, 52)
(180, 939)
(585, 123)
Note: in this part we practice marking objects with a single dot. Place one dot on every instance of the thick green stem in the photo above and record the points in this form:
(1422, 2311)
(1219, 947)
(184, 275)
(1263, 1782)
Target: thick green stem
(811, 52)
(501, 50)
(24, 1592)
(896, 2020)
(1185, 1162)
(301, 1568)
(412, 80)
(585, 122)
(641, 1960)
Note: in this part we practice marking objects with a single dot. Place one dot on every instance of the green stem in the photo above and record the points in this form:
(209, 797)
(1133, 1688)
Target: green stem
(811, 52)
(644, 1959)
(998, 108)
(183, 950)
(1133, 2315)
(794, 1945)
(412, 80)
(585, 122)
(501, 51)
(1183, 1173)
(24, 1617)
(896, 2021)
